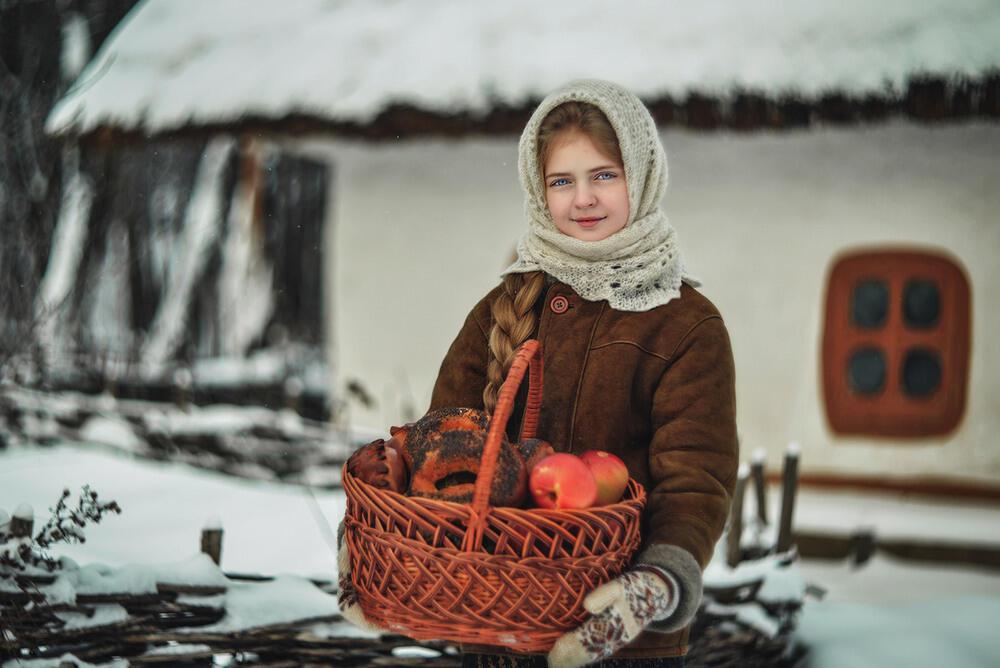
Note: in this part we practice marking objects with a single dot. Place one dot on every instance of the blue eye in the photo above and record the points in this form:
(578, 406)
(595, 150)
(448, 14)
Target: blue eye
(606, 176)
(559, 182)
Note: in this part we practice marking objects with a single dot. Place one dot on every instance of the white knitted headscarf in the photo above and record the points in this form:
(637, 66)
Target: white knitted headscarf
(635, 269)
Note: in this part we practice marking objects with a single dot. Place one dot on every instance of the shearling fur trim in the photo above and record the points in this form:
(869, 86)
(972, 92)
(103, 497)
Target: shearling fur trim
(682, 565)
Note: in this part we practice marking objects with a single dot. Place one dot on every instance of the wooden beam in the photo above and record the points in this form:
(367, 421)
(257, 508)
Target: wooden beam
(859, 546)
(928, 486)
(926, 98)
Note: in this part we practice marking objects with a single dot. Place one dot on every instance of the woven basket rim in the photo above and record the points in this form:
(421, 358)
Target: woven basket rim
(637, 496)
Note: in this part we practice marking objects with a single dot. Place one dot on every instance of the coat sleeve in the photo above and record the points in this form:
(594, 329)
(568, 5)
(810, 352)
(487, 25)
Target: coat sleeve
(693, 459)
(462, 376)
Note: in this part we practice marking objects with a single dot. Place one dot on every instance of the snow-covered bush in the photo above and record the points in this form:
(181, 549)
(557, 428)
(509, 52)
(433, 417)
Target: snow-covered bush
(20, 554)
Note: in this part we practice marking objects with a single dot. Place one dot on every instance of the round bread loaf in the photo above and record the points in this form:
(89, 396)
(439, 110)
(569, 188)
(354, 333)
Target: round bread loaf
(379, 465)
(446, 419)
(446, 466)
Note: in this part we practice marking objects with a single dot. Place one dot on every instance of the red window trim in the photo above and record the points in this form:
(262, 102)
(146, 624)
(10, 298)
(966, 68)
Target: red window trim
(891, 412)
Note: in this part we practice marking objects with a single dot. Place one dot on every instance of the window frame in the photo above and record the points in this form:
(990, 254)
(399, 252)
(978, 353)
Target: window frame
(891, 412)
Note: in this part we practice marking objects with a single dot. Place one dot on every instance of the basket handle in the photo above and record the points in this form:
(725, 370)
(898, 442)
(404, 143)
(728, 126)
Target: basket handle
(528, 356)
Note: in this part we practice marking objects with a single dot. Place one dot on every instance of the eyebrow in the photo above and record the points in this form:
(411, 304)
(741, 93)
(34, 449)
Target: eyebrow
(590, 171)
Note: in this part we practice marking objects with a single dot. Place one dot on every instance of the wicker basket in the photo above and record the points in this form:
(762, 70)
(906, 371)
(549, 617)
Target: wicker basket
(509, 577)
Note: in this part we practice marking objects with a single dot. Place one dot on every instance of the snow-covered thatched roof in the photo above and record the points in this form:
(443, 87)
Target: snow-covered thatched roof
(179, 63)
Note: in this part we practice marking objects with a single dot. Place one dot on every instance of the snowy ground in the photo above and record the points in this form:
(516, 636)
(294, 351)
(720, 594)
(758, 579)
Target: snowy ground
(268, 528)
(886, 613)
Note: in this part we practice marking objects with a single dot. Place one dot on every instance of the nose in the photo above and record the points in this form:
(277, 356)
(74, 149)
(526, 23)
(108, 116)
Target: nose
(584, 197)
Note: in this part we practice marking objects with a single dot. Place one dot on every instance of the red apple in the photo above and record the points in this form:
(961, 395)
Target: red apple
(562, 480)
(610, 474)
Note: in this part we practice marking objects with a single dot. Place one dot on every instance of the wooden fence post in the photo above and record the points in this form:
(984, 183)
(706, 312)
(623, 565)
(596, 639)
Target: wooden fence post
(863, 544)
(182, 387)
(759, 484)
(293, 388)
(736, 518)
(211, 540)
(789, 486)
(23, 522)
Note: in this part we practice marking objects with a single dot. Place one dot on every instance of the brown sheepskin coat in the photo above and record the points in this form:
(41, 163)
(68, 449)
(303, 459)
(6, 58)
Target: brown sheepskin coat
(655, 388)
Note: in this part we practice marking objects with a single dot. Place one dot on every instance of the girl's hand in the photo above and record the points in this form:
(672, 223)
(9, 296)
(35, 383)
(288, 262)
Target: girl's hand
(347, 595)
(620, 610)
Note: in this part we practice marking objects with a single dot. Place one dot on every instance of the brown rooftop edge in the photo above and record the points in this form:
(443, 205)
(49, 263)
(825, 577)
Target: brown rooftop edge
(926, 98)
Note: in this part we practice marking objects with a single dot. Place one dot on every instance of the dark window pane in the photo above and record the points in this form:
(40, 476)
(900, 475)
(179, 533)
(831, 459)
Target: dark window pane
(921, 303)
(921, 372)
(869, 303)
(866, 371)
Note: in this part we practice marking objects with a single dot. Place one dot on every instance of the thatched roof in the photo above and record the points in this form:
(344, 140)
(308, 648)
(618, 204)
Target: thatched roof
(388, 67)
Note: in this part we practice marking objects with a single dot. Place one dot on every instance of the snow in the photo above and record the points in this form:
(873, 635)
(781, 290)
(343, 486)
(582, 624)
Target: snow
(895, 516)
(262, 366)
(245, 295)
(103, 614)
(178, 648)
(415, 652)
(111, 431)
(213, 419)
(932, 633)
(64, 660)
(68, 242)
(887, 580)
(269, 528)
(886, 612)
(174, 62)
(201, 227)
(197, 570)
(749, 614)
(24, 511)
(781, 582)
(63, 590)
(110, 304)
(283, 600)
(75, 45)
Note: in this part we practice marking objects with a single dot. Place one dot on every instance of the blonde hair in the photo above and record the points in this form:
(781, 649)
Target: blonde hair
(514, 317)
(514, 322)
(581, 117)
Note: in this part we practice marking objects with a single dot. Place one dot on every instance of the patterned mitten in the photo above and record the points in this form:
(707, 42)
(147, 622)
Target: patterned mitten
(620, 610)
(347, 595)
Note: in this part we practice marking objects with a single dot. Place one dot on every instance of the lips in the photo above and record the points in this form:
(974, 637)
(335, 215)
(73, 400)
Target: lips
(587, 222)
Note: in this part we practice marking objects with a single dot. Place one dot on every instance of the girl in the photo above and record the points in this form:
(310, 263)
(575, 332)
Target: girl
(637, 362)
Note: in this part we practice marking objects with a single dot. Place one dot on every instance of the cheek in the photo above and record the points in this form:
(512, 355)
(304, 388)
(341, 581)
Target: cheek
(555, 203)
(623, 203)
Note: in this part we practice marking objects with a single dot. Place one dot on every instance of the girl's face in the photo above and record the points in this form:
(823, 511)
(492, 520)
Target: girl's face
(584, 189)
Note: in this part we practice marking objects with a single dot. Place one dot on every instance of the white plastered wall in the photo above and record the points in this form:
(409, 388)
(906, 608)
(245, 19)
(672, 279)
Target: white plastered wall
(420, 230)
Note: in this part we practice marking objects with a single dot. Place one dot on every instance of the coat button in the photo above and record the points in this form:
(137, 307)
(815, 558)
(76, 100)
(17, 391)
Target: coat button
(559, 304)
